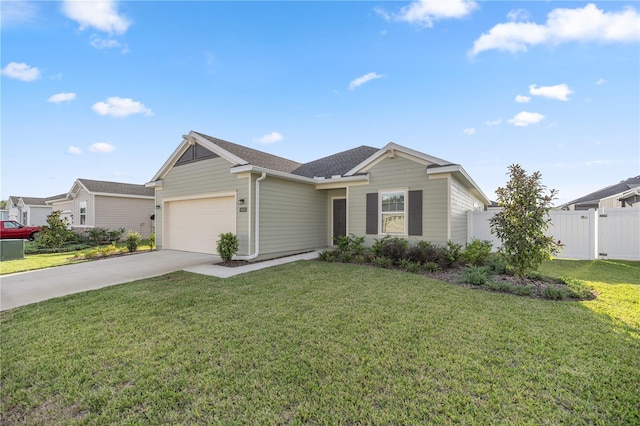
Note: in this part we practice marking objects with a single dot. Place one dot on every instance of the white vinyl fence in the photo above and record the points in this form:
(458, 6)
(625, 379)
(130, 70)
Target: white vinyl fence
(607, 233)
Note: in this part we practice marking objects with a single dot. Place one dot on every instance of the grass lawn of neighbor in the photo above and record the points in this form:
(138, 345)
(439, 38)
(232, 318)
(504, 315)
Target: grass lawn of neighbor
(326, 343)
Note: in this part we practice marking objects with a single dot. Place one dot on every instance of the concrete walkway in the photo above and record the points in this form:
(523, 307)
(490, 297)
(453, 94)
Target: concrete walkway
(34, 286)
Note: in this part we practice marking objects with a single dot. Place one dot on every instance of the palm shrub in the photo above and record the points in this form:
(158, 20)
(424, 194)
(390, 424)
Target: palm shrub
(227, 246)
(524, 218)
(133, 241)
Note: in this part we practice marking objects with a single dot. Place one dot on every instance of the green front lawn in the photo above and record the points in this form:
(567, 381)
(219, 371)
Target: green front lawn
(325, 343)
(48, 260)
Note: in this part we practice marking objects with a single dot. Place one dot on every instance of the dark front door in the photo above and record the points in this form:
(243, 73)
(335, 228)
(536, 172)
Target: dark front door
(339, 218)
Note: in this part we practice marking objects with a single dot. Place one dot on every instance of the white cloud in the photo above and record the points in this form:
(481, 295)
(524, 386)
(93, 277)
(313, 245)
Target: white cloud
(61, 97)
(521, 99)
(601, 81)
(272, 137)
(525, 118)
(101, 15)
(559, 91)
(105, 43)
(595, 163)
(17, 12)
(121, 107)
(102, 147)
(470, 131)
(563, 25)
(518, 15)
(425, 12)
(20, 71)
(74, 150)
(494, 122)
(364, 79)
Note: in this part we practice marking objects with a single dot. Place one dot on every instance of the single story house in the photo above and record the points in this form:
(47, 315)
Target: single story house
(622, 194)
(30, 211)
(276, 206)
(112, 205)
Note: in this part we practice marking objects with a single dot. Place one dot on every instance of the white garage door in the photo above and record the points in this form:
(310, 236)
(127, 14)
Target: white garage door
(194, 225)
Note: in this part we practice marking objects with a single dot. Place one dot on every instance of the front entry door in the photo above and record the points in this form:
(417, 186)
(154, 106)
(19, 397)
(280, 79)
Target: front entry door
(339, 218)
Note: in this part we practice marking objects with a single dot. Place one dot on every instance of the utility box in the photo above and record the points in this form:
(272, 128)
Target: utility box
(11, 249)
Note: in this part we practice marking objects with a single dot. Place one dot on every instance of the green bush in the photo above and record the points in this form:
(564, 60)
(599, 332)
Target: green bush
(426, 252)
(350, 243)
(115, 234)
(55, 232)
(152, 240)
(476, 275)
(497, 264)
(554, 293)
(382, 262)
(452, 252)
(477, 252)
(327, 256)
(431, 267)
(98, 235)
(227, 246)
(393, 248)
(133, 241)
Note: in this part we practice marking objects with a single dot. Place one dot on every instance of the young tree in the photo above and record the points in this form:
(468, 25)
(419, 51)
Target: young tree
(54, 233)
(524, 218)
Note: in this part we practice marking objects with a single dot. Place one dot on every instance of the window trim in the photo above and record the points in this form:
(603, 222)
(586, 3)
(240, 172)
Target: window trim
(405, 212)
(82, 204)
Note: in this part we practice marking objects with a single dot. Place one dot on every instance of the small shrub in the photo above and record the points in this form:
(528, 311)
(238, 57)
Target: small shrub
(431, 267)
(152, 240)
(327, 256)
(382, 262)
(346, 257)
(350, 243)
(98, 235)
(425, 252)
(133, 241)
(360, 259)
(497, 264)
(554, 293)
(393, 248)
(477, 252)
(115, 235)
(475, 275)
(452, 252)
(227, 246)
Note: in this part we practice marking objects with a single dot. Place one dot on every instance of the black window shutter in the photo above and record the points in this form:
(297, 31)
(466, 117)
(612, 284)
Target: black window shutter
(372, 213)
(415, 212)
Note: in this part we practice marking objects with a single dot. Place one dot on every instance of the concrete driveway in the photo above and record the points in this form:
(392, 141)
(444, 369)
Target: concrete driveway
(34, 286)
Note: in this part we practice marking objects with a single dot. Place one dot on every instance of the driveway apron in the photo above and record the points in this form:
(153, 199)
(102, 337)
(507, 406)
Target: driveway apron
(34, 286)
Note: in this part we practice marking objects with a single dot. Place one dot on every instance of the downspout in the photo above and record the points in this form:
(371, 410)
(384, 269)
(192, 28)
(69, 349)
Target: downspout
(257, 223)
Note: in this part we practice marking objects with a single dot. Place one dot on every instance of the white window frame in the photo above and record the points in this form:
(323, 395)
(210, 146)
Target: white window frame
(81, 205)
(405, 194)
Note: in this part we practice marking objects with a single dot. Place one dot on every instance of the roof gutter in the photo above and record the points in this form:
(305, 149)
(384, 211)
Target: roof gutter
(257, 222)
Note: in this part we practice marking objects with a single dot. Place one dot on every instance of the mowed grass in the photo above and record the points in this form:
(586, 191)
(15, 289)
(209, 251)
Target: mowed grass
(320, 343)
(49, 260)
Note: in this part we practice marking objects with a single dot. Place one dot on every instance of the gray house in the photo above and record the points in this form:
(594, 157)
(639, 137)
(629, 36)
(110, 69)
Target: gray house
(112, 205)
(622, 194)
(277, 206)
(30, 211)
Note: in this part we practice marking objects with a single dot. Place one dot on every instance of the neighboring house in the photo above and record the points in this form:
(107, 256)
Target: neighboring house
(277, 206)
(622, 194)
(111, 205)
(30, 211)
(4, 214)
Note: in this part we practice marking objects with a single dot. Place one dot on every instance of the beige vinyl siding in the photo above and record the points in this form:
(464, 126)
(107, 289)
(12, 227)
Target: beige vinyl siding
(206, 177)
(461, 202)
(400, 173)
(293, 217)
(132, 214)
(38, 215)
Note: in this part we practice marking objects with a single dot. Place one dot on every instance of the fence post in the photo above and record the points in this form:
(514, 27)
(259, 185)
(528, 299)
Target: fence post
(593, 233)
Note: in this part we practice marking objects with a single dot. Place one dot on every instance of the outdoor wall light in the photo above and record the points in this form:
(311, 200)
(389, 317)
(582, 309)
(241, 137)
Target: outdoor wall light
(157, 206)
(241, 201)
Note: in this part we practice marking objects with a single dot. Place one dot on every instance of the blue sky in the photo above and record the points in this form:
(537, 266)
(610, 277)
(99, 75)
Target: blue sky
(105, 90)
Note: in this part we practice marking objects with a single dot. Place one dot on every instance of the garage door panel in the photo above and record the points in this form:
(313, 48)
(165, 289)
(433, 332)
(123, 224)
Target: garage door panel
(194, 225)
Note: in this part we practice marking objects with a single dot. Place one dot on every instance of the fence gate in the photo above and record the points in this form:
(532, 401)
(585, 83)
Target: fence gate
(619, 233)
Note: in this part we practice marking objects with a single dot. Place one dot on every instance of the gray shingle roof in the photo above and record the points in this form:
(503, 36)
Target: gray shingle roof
(30, 201)
(336, 164)
(117, 188)
(255, 157)
(598, 195)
